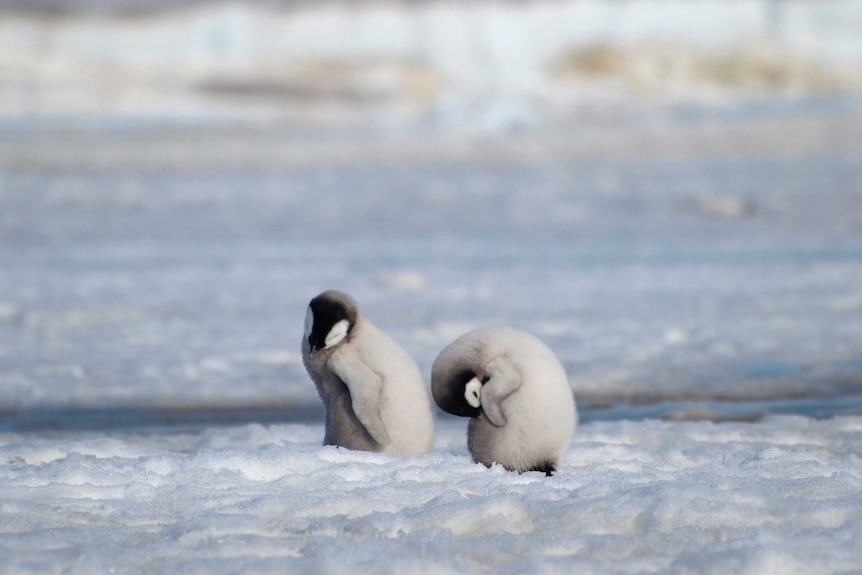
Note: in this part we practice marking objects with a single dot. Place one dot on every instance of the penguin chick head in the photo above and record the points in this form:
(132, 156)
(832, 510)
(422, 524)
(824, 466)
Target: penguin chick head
(462, 396)
(329, 320)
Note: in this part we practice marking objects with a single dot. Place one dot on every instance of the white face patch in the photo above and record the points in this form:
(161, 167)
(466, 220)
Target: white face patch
(473, 392)
(309, 322)
(337, 333)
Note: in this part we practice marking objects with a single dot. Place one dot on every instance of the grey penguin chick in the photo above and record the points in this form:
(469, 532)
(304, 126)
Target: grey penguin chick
(516, 393)
(373, 393)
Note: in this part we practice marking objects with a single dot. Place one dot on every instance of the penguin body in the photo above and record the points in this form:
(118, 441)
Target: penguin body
(516, 393)
(372, 391)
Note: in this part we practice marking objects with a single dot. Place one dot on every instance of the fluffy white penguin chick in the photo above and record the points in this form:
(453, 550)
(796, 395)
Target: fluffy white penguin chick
(516, 393)
(372, 390)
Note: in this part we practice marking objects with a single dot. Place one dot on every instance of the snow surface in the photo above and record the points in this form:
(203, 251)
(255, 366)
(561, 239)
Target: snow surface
(158, 418)
(653, 272)
(696, 265)
(781, 496)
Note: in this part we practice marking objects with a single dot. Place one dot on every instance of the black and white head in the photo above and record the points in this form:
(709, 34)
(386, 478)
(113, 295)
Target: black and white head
(461, 393)
(330, 318)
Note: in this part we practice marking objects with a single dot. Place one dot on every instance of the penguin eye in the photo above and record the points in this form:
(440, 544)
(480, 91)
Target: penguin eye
(309, 321)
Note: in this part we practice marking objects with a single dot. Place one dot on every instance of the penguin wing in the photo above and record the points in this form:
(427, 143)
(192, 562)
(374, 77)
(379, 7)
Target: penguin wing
(503, 380)
(365, 388)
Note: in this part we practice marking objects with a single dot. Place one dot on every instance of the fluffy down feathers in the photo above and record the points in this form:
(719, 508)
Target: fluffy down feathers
(372, 391)
(526, 414)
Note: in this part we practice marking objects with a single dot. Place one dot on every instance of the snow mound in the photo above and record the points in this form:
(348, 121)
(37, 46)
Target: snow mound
(645, 497)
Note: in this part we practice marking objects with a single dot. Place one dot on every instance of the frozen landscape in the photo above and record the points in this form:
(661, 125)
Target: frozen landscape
(694, 259)
(779, 496)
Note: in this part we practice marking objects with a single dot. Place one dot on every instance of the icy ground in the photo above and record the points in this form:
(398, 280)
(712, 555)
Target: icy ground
(698, 271)
(781, 496)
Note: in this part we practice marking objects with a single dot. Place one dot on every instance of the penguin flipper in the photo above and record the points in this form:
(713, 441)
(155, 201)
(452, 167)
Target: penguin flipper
(365, 388)
(503, 379)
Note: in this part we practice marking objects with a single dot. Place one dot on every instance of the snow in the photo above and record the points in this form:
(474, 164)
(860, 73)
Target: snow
(631, 497)
(695, 264)
(137, 286)
(157, 417)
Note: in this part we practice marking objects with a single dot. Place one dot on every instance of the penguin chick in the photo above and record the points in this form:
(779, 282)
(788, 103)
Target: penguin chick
(373, 393)
(516, 393)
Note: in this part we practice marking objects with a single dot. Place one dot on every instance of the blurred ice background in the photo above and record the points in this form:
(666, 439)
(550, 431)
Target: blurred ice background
(669, 193)
(499, 65)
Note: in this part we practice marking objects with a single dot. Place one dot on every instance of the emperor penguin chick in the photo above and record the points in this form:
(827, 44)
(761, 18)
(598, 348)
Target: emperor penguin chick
(372, 391)
(516, 393)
